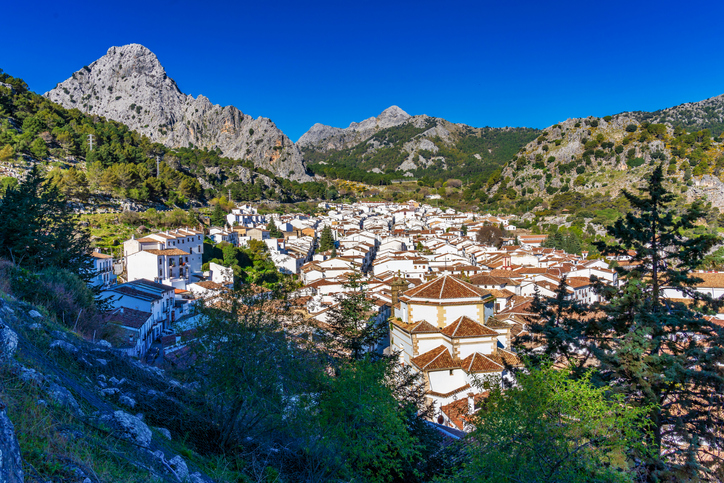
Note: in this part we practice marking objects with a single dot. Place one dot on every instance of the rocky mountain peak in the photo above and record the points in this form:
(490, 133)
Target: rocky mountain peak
(328, 137)
(130, 85)
(392, 116)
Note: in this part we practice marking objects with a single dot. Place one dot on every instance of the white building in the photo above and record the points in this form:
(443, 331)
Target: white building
(169, 257)
(143, 297)
(103, 270)
(245, 215)
(442, 329)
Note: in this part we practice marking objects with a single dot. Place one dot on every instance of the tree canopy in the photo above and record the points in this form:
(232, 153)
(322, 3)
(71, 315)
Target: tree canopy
(658, 352)
(38, 228)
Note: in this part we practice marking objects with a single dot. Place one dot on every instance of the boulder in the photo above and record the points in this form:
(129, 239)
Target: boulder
(35, 314)
(178, 465)
(11, 463)
(64, 346)
(129, 428)
(8, 343)
(28, 375)
(127, 401)
(63, 396)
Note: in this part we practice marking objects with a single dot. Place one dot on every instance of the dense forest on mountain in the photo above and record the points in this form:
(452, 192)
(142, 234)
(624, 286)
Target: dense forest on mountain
(122, 162)
(469, 153)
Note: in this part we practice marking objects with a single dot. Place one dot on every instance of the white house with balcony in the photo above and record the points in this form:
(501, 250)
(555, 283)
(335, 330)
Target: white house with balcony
(168, 257)
(103, 270)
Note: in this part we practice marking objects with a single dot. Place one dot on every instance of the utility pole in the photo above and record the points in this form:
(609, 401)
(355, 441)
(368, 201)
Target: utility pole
(229, 194)
(90, 142)
(158, 167)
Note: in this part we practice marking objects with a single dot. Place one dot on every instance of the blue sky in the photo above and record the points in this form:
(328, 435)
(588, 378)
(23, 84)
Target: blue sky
(514, 63)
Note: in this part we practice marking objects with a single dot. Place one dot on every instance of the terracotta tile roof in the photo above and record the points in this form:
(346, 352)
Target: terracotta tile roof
(423, 327)
(451, 393)
(504, 273)
(209, 285)
(435, 360)
(100, 255)
(168, 251)
(578, 282)
(477, 362)
(458, 411)
(495, 323)
(501, 294)
(467, 327)
(714, 280)
(445, 287)
(517, 329)
(487, 279)
(504, 357)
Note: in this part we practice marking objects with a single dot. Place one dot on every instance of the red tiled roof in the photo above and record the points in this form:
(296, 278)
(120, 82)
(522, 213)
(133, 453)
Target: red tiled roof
(100, 255)
(445, 287)
(467, 327)
(436, 359)
(458, 411)
(495, 323)
(478, 362)
(168, 251)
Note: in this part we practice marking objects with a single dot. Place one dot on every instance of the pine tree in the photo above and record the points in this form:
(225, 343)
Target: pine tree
(38, 228)
(658, 352)
(274, 232)
(352, 332)
(218, 216)
(326, 241)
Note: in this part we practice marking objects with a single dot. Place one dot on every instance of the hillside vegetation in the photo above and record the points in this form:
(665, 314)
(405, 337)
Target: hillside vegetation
(122, 162)
(602, 156)
(692, 116)
(423, 147)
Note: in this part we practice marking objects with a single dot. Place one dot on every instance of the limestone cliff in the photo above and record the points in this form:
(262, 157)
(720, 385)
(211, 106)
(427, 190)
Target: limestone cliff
(130, 85)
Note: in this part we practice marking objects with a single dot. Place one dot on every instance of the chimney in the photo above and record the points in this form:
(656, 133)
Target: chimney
(398, 285)
(471, 403)
(121, 309)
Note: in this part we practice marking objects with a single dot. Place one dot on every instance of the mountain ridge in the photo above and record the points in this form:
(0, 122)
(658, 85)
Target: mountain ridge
(340, 138)
(129, 85)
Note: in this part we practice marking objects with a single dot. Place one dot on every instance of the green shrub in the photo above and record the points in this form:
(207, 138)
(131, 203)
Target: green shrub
(635, 162)
(631, 128)
(63, 294)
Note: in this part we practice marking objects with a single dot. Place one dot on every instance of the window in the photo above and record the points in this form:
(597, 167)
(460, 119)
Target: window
(451, 372)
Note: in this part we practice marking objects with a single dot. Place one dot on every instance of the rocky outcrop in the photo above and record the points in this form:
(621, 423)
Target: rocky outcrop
(706, 114)
(130, 85)
(11, 463)
(128, 427)
(8, 343)
(327, 137)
